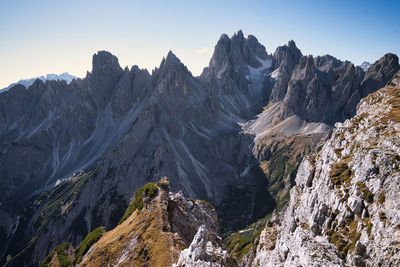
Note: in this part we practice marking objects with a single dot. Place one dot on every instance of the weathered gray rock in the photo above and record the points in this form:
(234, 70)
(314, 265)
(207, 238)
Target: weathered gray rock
(285, 60)
(348, 216)
(204, 253)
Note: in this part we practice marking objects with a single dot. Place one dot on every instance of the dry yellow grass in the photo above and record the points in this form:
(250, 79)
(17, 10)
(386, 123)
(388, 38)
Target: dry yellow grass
(138, 240)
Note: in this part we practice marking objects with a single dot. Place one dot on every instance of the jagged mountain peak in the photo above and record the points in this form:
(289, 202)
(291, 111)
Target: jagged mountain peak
(170, 123)
(235, 54)
(106, 72)
(238, 36)
(287, 56)
(388, 61)
(103, 61)
(292, 44)
(170, 60)
(170, 66)
(379, 73)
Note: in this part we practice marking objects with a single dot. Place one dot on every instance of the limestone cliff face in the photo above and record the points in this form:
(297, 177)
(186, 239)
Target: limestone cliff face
(344, 209)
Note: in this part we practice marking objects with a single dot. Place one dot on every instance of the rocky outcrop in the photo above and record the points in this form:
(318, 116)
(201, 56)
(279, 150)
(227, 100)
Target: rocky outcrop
(155, 234)
(202, 252)
(152, 232)
(344, 210)
(285, 60)
(324, 89)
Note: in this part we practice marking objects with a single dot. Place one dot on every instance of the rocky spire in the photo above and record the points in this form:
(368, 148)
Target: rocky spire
(169, 61)
(106, 72)
(169, 67)
(104, 63)
(235, 53)
(284, 62)
(287, 56)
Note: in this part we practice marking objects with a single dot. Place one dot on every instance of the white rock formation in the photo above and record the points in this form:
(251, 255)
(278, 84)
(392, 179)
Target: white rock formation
(345, 207)
(203, 253)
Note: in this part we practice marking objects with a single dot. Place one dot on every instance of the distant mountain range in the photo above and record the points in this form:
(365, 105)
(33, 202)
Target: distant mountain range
(72, 156)
(28, 82)
(365, 65)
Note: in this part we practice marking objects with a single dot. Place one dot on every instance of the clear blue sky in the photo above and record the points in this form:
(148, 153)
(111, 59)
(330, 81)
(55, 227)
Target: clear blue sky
(39, 37)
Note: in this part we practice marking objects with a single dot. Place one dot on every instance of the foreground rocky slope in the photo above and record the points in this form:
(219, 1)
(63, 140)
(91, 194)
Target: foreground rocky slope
(156, 227)
(344, 209)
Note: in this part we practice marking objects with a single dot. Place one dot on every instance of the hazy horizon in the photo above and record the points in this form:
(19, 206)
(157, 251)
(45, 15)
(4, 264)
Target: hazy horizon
(54, 37)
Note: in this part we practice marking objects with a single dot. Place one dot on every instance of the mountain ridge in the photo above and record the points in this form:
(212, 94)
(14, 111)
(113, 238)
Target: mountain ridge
(134, 126)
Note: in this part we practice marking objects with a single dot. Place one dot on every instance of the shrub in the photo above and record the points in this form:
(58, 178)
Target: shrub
(206, 203)
(150, 189)
(86, 243)
(62, 255)
(137, 202)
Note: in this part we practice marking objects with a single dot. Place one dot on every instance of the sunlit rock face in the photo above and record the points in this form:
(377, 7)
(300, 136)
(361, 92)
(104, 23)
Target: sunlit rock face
(344, 208)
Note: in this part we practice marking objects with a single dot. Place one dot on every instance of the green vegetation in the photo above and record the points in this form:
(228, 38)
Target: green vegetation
(150, 189)
(86, 243)
(283, 163)
(162, 184)
(137, 203)
(56, 203)
(60, 200)
(206, 203)
(62, 256)
(241, 243)
(340, 174)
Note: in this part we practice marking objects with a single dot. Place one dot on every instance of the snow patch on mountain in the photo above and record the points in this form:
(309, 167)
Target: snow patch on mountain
(365, 65)
(28, 82)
